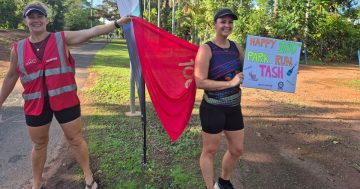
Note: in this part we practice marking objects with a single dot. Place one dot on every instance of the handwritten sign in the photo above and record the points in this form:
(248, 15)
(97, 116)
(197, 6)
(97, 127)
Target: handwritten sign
(271, 64)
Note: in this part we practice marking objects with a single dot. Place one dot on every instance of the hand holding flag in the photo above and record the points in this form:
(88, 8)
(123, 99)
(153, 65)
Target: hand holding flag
(122, 21)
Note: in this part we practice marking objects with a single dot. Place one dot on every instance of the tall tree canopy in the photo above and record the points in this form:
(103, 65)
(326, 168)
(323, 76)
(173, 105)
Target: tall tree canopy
(327, 27)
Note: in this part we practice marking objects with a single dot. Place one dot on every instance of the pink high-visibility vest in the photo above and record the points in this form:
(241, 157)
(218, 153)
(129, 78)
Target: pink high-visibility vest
(59, 71)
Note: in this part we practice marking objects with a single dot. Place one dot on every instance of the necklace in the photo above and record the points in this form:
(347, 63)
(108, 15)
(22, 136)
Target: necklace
(38, 47)
(40, 44)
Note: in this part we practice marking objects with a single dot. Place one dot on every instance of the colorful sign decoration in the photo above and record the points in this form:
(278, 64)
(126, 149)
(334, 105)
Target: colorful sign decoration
(271, 64)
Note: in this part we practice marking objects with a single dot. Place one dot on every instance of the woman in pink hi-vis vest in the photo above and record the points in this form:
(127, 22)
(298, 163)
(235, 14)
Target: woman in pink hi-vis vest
(47, 72)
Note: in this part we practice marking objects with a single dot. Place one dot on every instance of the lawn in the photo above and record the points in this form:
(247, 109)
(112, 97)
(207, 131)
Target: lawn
(355, 83)
(116, 141)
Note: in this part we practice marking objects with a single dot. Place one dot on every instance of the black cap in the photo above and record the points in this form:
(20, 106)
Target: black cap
(225, 12)
(34, 7)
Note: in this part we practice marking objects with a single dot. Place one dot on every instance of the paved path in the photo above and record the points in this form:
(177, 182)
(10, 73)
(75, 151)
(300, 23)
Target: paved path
(15, 145)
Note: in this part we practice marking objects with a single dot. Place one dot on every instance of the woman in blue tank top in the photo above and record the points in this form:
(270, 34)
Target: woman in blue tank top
(218, 70)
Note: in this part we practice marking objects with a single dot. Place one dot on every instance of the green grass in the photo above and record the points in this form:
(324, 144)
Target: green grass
(115, 141)
(357, 167)
(311, 61)
(331, 138)
(2, 73)
(355, 84)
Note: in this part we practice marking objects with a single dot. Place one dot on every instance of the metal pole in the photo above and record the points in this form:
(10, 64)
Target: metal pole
(143, 118)
(305, 54)
(133, 111)
(132, 91)
(143, 106)
(91, 14)
(359, 56)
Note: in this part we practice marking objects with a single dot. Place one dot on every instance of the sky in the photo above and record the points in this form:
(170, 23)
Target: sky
(97, 2)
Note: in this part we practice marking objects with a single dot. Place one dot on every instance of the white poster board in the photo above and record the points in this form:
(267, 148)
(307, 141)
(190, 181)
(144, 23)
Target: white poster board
(271, 64)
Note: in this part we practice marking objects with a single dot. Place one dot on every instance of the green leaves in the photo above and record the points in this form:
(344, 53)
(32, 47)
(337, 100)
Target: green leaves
(8, 17)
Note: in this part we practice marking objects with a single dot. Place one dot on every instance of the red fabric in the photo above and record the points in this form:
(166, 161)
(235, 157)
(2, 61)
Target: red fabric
(167, 63)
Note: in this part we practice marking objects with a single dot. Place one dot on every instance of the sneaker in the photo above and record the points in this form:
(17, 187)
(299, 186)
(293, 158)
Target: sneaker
(223, 186)
(216, 186)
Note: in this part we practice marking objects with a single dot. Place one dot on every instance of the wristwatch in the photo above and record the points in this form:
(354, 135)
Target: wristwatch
(116, 24)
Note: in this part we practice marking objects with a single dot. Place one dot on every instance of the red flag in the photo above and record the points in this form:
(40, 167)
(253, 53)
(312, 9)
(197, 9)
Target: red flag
(167, 63)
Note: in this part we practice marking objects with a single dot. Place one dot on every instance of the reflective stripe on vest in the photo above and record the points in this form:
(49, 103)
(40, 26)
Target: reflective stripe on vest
(54, 71)
(20, 50)
(62, 90)
(60, 46)
(30, 77)
(32, 96)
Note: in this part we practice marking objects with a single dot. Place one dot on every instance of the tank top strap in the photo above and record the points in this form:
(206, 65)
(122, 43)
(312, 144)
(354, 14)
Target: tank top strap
(211, 45)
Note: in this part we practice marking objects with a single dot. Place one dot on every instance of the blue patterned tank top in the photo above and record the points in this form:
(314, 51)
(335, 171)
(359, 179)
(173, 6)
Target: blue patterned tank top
(224, 64)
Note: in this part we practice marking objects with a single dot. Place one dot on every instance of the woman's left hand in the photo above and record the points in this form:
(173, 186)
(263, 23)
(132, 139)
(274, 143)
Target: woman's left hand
(241, 77)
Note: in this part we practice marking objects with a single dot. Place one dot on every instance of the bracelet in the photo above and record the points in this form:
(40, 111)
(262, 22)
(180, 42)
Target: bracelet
(116, 24)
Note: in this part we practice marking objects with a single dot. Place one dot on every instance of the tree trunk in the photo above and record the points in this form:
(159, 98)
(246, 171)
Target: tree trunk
(173, 18)
(149, 10)
(275, 9)
(158, 13)
(306, 30)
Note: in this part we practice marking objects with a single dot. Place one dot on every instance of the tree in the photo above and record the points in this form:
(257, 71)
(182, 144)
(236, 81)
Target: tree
(108, 9)
(326, 26)
(57, 15)
(8, 16)
(158, 13)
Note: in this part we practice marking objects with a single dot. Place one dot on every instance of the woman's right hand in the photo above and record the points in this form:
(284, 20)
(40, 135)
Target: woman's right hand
(237, 80)
(123, 20)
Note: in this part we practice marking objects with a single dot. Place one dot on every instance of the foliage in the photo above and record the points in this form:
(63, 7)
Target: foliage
(8, 18)
(326, 27)
(78, 15)
(331, 34)
(335, 39)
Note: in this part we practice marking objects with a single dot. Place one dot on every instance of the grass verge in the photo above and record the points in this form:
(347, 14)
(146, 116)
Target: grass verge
(116, 141)
(355, 84)
(311, 61)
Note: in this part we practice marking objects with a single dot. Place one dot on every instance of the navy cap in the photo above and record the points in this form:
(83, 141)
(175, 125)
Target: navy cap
(225, 12)
(34, 7)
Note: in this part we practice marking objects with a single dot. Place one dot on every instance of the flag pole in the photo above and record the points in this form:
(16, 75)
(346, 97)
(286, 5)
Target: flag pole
(143, 105)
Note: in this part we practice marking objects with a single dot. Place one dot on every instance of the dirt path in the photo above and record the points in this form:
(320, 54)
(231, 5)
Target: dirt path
(305, 140)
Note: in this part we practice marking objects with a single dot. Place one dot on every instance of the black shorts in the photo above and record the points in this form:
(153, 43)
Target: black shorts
(62, 116)
(215, 119)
